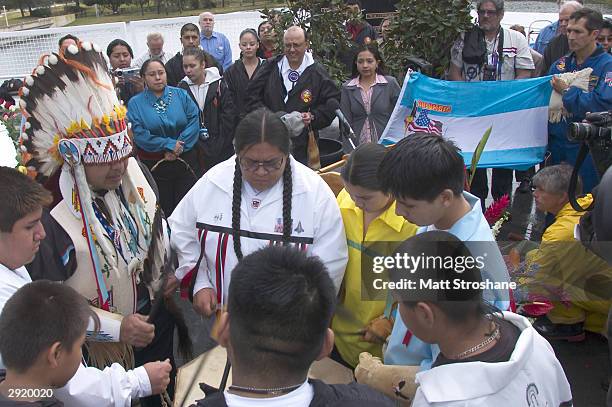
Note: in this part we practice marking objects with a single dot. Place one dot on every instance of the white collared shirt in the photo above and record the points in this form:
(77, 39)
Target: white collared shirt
(284, 69)
(146, 56)
(300, 397)
(111, 387)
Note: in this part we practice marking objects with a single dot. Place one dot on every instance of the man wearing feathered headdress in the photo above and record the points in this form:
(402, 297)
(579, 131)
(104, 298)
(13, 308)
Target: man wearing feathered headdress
(105, 238)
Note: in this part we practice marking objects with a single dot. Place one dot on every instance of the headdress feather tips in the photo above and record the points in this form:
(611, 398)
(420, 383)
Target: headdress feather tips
(71, 96)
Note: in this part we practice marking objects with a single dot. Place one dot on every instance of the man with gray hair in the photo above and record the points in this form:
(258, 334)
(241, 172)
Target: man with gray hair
(213, 42)
(501, 55)
(155, 45)
(550, 186)
(558, 45)
(573, 279)
(552, 30)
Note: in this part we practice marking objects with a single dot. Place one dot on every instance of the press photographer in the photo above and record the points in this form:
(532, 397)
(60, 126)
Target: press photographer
(128, 81)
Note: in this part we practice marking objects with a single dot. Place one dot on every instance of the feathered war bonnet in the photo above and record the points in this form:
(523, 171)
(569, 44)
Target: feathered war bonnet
(74, 118)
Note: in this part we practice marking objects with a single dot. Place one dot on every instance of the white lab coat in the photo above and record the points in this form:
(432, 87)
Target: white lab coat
(533, 376)
(111, 387)
(204, 219)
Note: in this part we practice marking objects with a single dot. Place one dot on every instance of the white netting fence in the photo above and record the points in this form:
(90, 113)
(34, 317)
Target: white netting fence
(230, 24)
(21, 50)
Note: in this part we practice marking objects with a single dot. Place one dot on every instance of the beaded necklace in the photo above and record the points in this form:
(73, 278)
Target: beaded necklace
(161, 105)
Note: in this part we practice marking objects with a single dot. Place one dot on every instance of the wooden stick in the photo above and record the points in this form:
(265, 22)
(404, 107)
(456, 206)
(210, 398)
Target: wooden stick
(334, 165)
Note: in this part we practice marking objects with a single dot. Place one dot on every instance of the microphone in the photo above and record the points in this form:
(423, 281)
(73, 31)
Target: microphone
(343, 122)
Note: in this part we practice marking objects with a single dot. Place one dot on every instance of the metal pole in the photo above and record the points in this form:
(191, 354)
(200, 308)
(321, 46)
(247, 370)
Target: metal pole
(5, 15)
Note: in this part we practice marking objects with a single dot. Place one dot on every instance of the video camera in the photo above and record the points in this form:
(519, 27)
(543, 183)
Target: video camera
(126, 72)
(598, 126)
(596, 136)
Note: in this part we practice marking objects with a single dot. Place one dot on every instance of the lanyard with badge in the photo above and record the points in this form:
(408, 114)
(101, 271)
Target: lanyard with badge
(492, 70)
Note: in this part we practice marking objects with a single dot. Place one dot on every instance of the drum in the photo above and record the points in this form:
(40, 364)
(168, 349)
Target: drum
(330, 151)
(209, 368)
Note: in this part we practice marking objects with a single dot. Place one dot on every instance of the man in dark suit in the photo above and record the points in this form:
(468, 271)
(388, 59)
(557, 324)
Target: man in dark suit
(293, 81)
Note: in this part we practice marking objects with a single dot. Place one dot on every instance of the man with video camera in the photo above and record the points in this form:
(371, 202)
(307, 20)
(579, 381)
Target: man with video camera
(489, 52)
(582, 31)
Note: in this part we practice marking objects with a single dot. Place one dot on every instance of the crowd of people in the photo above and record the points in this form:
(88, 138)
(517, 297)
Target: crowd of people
(193, 173)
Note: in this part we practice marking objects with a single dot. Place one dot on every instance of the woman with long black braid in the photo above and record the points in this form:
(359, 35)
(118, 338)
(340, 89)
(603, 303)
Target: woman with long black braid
(270, 199)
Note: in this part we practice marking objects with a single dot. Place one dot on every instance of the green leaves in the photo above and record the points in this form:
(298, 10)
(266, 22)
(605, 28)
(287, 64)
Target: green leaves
(324, 21)
(479, 149)
(425, 29)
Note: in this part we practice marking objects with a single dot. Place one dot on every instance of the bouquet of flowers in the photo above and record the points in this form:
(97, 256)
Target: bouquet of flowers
(10, 121)
(497, 213)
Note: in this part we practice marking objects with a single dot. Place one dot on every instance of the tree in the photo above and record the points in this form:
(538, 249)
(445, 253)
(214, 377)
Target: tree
(427, 30)
(22, 5)
(323, 21)
(113, 5)
(141, 4)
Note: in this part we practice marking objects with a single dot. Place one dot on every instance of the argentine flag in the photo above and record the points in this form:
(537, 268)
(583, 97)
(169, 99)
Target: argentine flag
(517, 112)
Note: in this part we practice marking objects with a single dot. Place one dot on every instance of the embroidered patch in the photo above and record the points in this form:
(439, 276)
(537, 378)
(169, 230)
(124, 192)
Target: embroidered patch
(299, 228)
(593, 80)
(608, 80)
(278, 228)
(255, 203)
(561, 64)
(306, 96)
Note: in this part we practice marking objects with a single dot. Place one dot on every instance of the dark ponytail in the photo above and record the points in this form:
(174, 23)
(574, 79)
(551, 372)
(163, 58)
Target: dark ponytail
(287, 193)
(261, 126)
(361, 169)
(236, 201)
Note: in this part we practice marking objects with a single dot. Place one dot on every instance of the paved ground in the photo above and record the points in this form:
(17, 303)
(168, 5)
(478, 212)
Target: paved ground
(586, 364)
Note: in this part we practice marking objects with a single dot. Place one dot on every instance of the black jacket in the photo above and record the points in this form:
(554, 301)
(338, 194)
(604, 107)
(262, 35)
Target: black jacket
(219, 117)
(555, 49)
(237, 81)
(325, 395)
(174, 69)
(313, 92)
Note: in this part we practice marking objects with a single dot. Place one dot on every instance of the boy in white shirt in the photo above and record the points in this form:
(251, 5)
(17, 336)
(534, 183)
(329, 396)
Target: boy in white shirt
(21, 232)
(486, 358)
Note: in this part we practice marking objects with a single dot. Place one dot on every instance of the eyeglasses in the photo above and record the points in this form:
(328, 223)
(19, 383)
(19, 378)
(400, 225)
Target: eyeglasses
(488, 13)
(251, 165)
(294, 46)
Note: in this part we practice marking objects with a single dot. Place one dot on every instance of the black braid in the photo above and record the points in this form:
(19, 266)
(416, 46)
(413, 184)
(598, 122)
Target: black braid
(287, 193)
(236, 198)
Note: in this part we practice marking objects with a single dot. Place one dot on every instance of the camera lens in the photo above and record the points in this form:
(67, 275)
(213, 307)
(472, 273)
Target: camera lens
(579, 131)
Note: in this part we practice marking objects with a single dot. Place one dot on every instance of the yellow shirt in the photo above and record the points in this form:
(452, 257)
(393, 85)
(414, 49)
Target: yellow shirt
(562, 229)
(387, 227)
